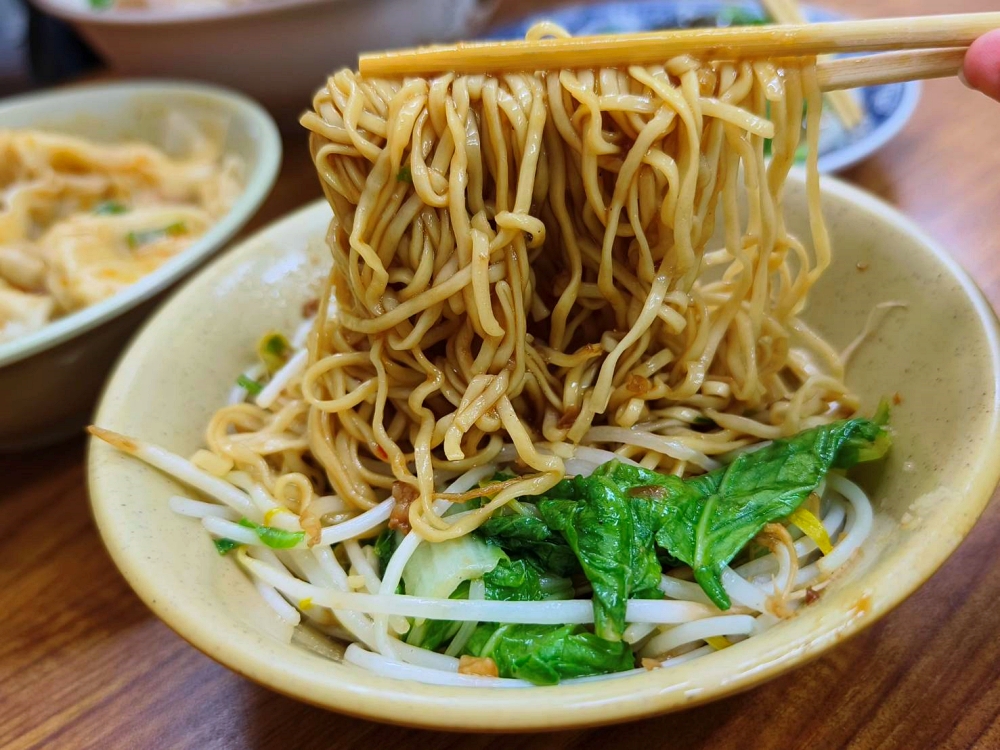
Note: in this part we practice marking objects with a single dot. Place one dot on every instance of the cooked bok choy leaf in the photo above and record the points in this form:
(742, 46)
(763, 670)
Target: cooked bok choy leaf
(436, 570)
(620, 520)
(546, 654)
(709, 519)
(543, 654)
(612, 536)
(531, 536)
(446, 570)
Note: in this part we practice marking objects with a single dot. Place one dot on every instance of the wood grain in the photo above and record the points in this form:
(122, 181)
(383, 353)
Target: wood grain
(84, 664)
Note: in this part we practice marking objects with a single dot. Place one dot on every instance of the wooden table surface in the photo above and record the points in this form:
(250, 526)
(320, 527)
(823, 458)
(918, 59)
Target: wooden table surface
(84, 664)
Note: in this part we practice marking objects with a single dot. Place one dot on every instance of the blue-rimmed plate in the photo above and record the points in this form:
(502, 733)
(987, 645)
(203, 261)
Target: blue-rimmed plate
(886, 108)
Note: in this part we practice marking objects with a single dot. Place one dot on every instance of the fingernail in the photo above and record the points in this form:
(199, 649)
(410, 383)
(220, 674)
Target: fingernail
(962, 78)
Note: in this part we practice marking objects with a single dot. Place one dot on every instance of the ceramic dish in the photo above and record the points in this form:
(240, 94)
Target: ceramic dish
(886, 108)
(941, 355)
(52, 377)
(247, 46)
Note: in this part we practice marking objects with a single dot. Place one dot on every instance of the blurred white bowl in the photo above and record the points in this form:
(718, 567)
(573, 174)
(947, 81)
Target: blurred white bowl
(278, 51)
(51, 378)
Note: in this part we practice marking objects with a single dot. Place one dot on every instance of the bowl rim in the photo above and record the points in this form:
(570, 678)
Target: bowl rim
(115, 17)
(258, 186)
(566, 706)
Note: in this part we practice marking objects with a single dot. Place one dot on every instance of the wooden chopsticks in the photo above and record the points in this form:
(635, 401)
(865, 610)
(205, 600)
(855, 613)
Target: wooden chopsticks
(888, 67)
(842, 103)
(783, 40)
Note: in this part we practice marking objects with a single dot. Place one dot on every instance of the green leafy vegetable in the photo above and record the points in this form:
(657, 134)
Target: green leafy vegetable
(514, 581)
(509, 580)
(273, 350)
(523, 581)
(224, 546)
(617, 526)
(101, 4)
(250, 385)
(546, 654)
(432, 634)
(736, 16)
(543, 654)
(707, 520)
(405, 175)
(436, 570)
(385, 546)
(110, 208)
(272, 537)
(144, 237)
(620, 522)
(443, 571)
(531, 537)
(612, 536)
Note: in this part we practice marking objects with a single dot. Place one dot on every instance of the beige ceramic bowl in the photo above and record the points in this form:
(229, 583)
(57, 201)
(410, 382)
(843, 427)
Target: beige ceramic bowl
(941, 355)
(51, 378)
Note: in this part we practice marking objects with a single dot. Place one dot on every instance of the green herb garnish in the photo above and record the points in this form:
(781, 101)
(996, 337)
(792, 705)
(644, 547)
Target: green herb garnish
(224, 546)
(273, 350)
(272, 537)
(405, 175)
(144, 237)
(110, 208)
(250, 385)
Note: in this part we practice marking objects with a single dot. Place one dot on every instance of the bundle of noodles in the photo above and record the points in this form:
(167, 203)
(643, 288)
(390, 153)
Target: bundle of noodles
(522, 260)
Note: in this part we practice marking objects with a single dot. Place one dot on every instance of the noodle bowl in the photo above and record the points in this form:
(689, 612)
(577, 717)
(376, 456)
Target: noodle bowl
(532, 376)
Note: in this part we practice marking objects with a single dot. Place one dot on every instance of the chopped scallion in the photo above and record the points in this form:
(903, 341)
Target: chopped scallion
(273, 350)
(138, 239)
(272, 537)
(110, 208)
(224, 546)
(250, 385)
